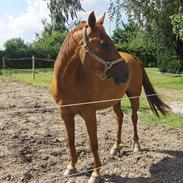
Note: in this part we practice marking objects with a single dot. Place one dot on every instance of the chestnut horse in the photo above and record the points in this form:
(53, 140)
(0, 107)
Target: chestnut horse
(89, 68)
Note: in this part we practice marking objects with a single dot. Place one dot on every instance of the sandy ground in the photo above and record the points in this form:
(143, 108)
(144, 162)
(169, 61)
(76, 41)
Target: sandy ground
(33, 146)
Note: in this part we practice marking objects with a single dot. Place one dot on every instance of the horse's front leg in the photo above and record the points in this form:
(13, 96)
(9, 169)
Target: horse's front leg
(91, 124)
(119, 119)
(70, 127)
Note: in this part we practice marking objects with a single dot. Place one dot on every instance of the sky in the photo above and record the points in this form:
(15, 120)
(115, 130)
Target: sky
(22, 18)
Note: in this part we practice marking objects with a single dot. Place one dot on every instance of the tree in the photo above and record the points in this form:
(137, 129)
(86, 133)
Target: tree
(154, 17)
(125, 34)
(61, 11)
(15, 47)
(129, 38)
(177, 22)
(48, 46)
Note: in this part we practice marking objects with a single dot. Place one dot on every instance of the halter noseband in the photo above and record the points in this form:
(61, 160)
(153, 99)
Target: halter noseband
(107, 64)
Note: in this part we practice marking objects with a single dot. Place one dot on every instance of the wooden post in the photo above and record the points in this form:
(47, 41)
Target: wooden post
(3, 65)
(33, 67)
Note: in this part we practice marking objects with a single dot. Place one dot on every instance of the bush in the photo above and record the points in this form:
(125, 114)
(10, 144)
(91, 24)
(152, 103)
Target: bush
(2, 54)
(49, 46)
(169, 62)
(146, 56)
(46, 47)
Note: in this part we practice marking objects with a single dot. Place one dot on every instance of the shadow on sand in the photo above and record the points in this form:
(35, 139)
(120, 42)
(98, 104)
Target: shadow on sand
(169, 170)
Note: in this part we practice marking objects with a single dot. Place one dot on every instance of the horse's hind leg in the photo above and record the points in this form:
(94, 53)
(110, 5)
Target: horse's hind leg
(70, 127)
(135, 107)
(119, 119)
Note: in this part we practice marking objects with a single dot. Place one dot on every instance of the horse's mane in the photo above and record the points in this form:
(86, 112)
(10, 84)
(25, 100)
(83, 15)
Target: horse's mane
(69, 41)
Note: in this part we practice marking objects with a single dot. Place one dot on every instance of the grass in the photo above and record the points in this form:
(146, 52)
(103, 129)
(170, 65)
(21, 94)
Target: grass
(159, 80)
(169, 81)
(171, 120)
(43, 76)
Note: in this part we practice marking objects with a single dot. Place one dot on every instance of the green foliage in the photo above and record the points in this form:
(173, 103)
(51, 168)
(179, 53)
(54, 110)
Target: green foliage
(15, 47)
(129, 39)
(169, 62)
(125, 34)
(49, 45)
(177, 22)
(146, 56)
(161, 21)
(61, 11)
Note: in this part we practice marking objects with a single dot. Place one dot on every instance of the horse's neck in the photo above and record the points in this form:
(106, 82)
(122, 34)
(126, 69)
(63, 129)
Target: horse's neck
(69, 71)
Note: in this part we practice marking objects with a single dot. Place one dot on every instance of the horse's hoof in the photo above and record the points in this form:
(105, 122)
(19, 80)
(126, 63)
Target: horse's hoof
(70, 172)
(94, 179)
(136, 149)
(114, 151)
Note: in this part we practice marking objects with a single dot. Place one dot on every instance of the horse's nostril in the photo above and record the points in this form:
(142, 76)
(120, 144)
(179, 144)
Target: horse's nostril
(108, 77)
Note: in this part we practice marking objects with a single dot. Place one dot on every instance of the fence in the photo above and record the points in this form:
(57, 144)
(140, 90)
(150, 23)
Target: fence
(7, 65)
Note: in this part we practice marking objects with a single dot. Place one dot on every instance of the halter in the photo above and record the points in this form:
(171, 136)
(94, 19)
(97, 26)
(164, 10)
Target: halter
(107, 64)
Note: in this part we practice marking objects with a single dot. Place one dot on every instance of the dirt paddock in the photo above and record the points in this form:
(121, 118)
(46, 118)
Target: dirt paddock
(33, 146)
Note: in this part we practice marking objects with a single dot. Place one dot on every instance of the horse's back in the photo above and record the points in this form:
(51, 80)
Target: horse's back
(135, 73)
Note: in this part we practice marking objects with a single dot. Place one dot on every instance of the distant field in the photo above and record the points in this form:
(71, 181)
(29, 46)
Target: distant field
(159, 80)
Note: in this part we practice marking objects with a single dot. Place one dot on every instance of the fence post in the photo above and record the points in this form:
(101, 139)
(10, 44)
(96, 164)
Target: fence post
(33, 67)
(3, 65)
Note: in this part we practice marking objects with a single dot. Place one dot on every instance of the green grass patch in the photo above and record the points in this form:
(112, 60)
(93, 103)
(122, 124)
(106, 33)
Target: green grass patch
(43, 77)
(169, 81)
(171, 120)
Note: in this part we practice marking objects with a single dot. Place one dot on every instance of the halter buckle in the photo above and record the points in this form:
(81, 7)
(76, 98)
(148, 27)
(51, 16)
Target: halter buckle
(108, 65)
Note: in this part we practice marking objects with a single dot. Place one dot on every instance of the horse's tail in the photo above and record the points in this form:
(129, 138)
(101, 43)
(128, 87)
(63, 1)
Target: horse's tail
(156, 104)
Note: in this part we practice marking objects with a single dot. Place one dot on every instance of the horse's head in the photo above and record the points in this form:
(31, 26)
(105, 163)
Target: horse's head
(99, 53)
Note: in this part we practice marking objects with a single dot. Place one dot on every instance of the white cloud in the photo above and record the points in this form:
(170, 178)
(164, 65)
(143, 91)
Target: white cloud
(28, 23)
(24, 25)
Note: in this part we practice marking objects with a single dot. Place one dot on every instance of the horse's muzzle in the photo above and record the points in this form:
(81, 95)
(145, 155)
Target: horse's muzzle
(118, 74)
(120, 80)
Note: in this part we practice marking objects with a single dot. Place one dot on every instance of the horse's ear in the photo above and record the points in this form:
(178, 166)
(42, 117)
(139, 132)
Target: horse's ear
(101, 19)
(92, 20)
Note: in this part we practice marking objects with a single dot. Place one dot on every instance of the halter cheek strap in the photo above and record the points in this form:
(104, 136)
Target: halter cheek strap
(107, 64)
